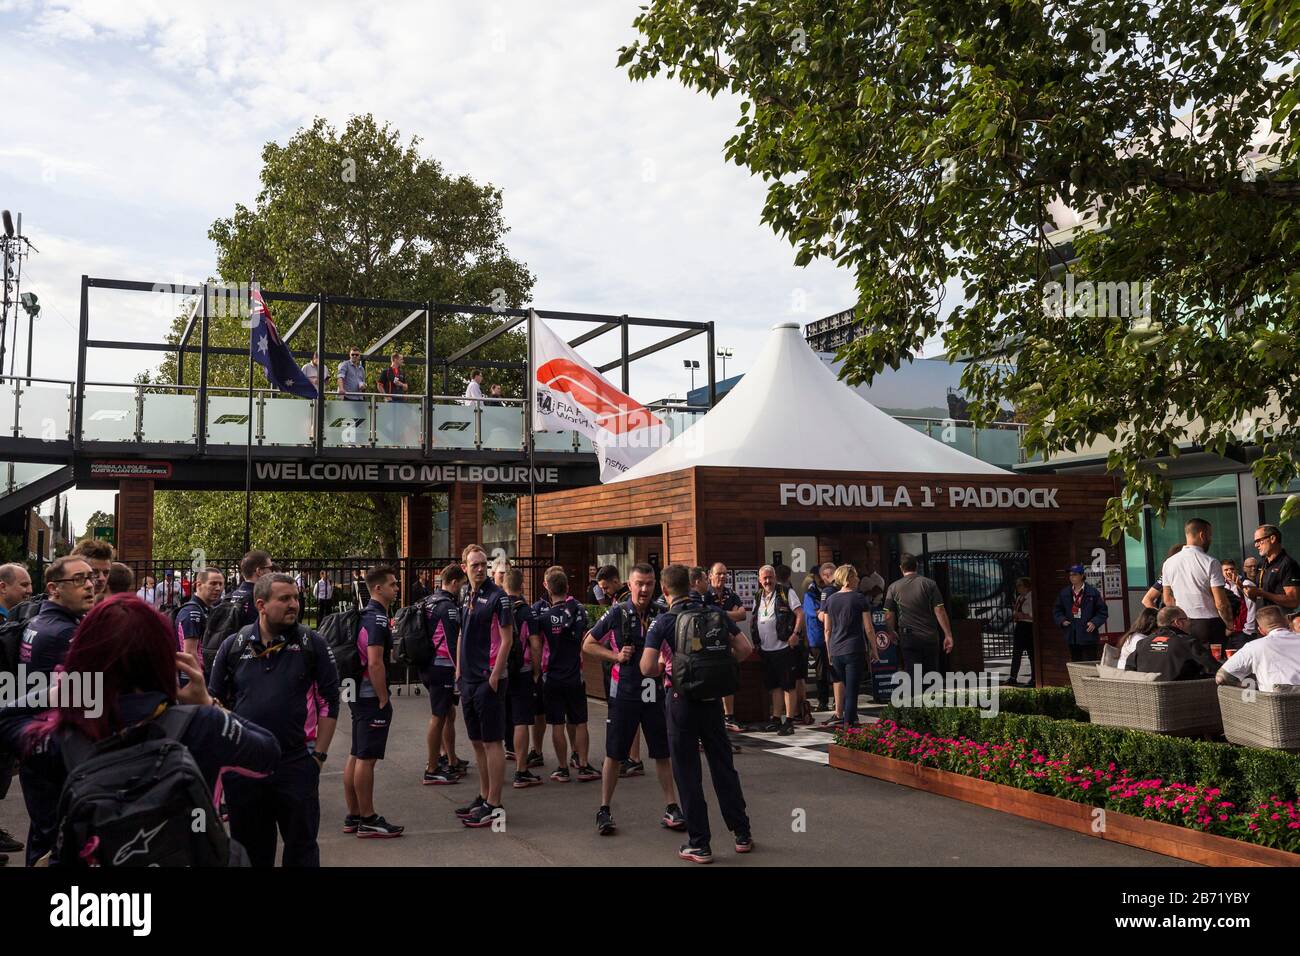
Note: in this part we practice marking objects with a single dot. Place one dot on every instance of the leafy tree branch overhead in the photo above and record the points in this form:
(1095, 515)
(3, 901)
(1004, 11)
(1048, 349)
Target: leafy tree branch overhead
(926, 143)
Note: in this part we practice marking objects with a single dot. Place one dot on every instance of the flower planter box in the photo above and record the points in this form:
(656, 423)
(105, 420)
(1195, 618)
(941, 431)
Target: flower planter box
(1164, 838)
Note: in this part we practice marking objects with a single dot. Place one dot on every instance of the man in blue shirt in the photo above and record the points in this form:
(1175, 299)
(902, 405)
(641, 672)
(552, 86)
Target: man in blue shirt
(69, 593)
(817, 589)
(372, 711)
(15, 588)
(696, 723)
(486, 633)
(636, 702)
(721, 596)
(524, 676)
(192, 618)
(275, 673)
(352, 376)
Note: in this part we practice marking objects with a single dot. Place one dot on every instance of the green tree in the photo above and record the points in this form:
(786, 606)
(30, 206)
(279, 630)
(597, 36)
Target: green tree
(97, 520)
(921, 143)
(355, 213)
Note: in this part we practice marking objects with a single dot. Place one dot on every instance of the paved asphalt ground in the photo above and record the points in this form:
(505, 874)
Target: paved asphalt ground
(849, 820)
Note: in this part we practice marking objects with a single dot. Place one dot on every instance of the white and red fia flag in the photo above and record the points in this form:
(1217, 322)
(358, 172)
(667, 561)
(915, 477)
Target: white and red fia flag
(570, 395)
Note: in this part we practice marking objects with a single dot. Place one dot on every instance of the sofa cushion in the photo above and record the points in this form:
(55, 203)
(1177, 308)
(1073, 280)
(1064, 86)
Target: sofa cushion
(1114, 673)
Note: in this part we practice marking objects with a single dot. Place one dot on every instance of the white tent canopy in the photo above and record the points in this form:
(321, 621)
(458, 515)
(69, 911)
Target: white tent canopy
(790, 411)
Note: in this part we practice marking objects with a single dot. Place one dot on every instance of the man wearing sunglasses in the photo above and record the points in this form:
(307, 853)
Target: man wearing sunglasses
(1279, 575)
(69, 593)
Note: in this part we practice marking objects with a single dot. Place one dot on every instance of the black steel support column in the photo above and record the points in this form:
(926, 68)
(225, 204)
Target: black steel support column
(322, 375)
(201, 439)
(426, 436)
(79, 401)
(713, 379)
(622, 331)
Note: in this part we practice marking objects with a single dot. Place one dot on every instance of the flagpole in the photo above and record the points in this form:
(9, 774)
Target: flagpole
(248, 451)
(528, 426)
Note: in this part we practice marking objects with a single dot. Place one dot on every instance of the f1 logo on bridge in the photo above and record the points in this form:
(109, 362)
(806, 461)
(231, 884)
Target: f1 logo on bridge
(231, 419)
(110, 415)
(453, 426)
(347, 423)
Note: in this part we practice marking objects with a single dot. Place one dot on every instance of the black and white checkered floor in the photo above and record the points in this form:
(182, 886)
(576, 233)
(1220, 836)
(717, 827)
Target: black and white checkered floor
(812, 743)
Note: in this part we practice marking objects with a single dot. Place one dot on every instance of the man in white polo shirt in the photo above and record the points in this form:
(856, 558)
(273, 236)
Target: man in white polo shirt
(1272, 660)
(1194, 582)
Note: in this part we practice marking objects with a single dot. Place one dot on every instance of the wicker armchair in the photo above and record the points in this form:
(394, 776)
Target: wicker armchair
(1078, 671)
(1269, 720)
(1180, 708)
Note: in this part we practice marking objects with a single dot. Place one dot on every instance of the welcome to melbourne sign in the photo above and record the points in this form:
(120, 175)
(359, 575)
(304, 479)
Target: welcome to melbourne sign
(275, 472)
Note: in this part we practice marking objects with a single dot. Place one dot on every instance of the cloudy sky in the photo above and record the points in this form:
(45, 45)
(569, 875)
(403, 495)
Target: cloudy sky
(131, 126)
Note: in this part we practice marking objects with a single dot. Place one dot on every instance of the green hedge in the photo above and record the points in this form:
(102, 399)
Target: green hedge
(1046, 720)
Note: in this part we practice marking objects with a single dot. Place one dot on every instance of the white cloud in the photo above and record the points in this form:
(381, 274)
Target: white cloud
(143, 121)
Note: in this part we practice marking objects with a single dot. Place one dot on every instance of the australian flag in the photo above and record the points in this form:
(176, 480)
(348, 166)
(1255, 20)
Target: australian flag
(273, 355)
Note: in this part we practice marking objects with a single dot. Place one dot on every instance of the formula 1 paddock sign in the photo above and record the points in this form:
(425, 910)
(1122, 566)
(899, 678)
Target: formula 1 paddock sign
(1002, 498)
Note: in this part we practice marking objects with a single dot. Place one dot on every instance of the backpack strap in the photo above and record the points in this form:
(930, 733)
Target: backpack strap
(75, 748)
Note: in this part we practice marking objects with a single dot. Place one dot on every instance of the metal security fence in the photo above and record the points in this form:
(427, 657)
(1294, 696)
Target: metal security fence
(986, 582)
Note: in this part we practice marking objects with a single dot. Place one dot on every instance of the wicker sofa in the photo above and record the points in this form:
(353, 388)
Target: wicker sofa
(1254, 718)
(1078, 670)
(1180, 708)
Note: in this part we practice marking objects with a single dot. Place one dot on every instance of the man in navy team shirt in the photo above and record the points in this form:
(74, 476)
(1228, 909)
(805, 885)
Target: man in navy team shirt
(487, 631)
(275, 673)
(251, 567)
(563, 626)
(636, 702)
(692, 724)
(721, 596)
(372, 711)
(69, 594)
(525, 675)
(442, 617)
(192, 617)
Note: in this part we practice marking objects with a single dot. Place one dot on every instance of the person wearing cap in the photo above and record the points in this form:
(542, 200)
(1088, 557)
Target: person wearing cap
(1080, 612)
(167, 593)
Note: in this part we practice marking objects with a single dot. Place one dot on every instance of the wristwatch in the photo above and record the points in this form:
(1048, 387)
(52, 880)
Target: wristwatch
(322, 757)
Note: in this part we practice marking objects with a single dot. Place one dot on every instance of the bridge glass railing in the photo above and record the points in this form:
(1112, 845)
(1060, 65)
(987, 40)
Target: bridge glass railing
(17, 474)
(147, 414)
(998, 444)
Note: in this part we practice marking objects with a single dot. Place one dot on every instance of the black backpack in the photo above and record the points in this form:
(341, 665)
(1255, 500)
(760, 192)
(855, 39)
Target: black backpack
(11, 634)
(703, 666)
(223, 620)
(340, 632)
(516, 662)
(411, 634)
(138, 799)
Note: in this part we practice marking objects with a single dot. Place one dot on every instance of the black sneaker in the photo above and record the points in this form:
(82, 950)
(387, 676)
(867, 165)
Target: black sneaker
(440, 777)
(377, 828)
(744, 843)
(771, 726)
(461, 767)
(587, 773)
(573, 760)
(696, 854)
(561, 775)
(463, 812)
(524, 779)
(673, 818)
(787, 728)
(8, 844)
(535, 759)
(730, 723)
(604, 822)
(483, 815)
(510, 755)
(631, 768)
(351, 822)
(442, 764)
